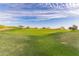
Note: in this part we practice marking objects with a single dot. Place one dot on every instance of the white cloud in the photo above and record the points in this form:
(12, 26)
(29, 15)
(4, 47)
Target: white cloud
(41, 15)
(11, 15)
(47, 17)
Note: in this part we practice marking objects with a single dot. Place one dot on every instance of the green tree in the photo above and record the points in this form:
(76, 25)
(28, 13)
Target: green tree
(74, 27)
(20, 26)
(27, 27)
(43, 28)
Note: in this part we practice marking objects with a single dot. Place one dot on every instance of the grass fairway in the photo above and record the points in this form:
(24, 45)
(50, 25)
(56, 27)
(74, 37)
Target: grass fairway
(39, 42)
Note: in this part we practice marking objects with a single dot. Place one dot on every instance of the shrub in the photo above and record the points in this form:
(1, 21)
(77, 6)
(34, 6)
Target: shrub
(27, 27)
(20, 26)
(74, 27)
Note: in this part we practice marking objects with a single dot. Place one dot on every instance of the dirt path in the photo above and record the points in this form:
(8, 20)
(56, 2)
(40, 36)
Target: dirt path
(3, 29)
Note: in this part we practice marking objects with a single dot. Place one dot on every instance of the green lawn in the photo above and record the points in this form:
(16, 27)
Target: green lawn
(39, 42)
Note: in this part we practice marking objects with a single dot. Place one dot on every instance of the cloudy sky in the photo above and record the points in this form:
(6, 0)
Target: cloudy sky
(39, 14)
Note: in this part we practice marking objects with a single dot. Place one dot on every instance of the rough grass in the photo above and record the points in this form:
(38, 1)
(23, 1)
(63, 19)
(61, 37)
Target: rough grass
(39, 42)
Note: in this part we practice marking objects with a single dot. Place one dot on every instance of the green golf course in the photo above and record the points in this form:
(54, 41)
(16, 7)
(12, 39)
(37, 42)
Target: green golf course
(39, 42)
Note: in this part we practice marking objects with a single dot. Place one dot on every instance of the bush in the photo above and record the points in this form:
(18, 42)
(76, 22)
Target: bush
(62, 28)
(20, 26)
(43, 28)
(74, 27)
(27, 27)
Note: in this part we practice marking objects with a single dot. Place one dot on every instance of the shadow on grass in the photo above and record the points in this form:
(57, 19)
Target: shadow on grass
(48, 46)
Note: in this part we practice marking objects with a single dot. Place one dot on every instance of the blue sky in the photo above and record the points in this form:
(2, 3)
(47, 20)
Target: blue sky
(39, 14)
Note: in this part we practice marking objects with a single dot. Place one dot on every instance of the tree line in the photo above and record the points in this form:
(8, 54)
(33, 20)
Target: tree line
(73, 27)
